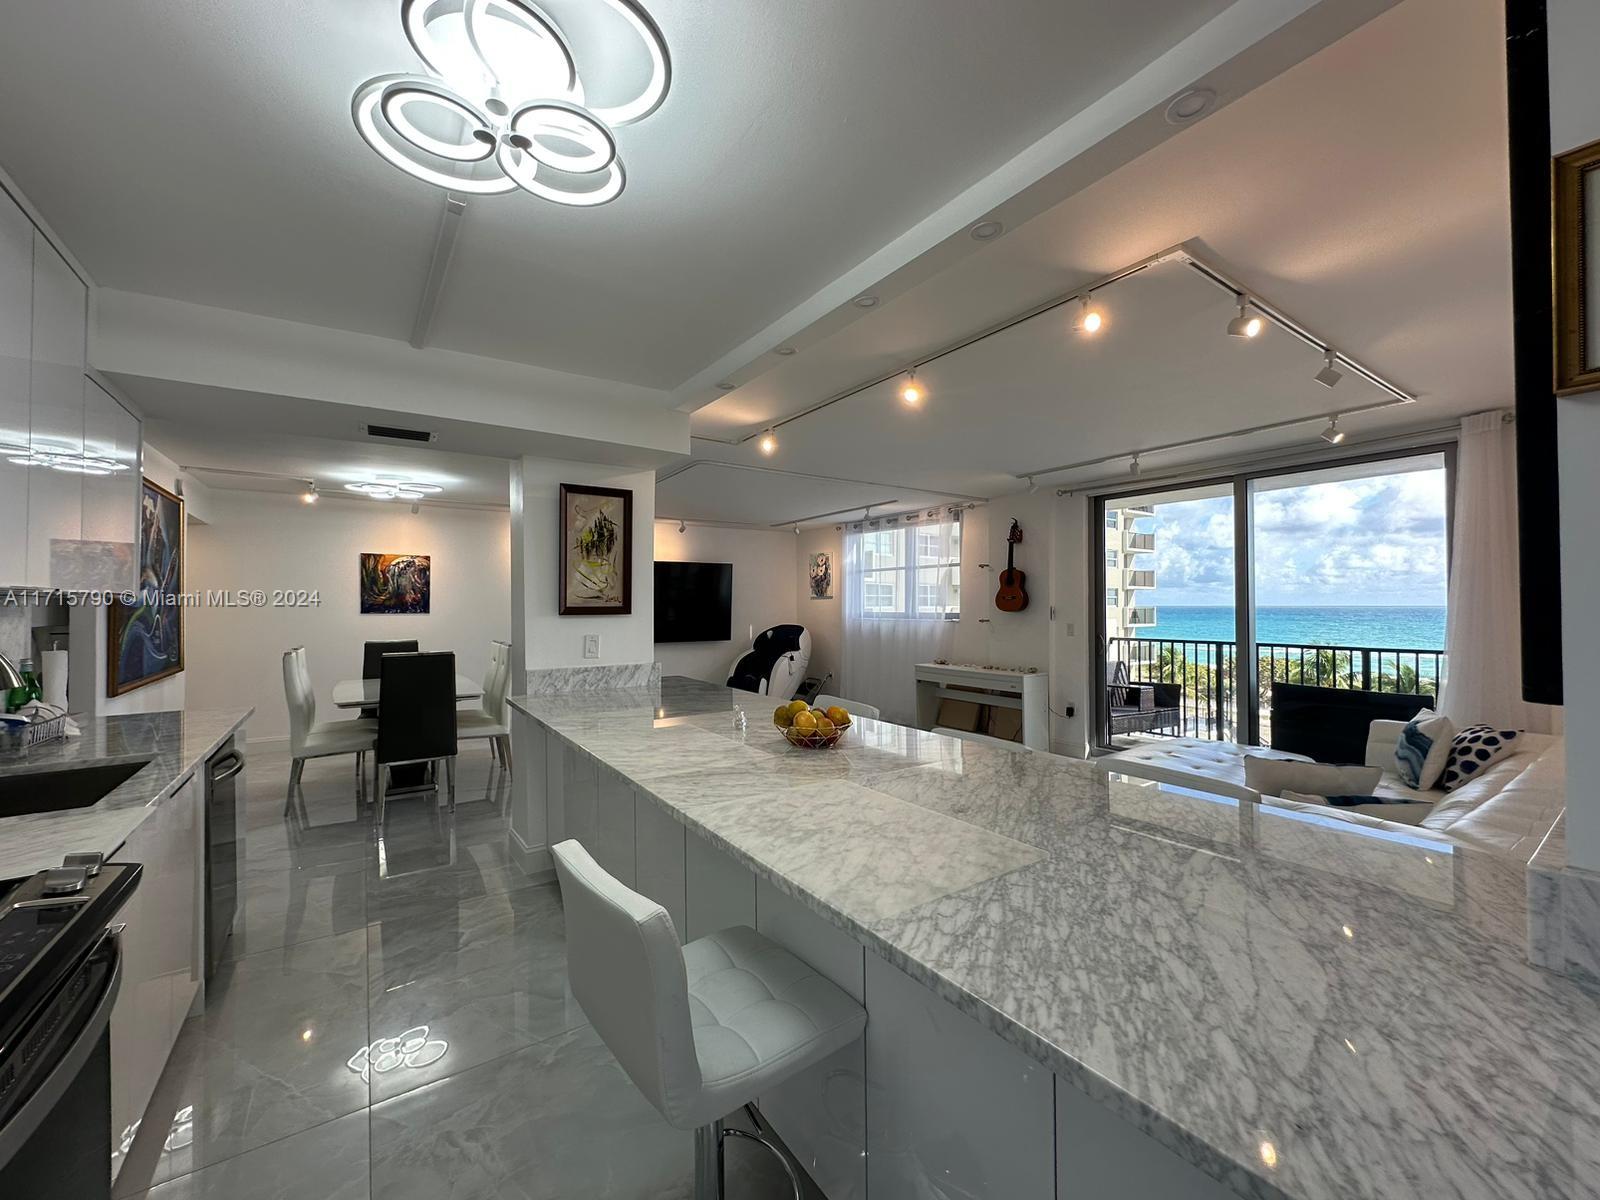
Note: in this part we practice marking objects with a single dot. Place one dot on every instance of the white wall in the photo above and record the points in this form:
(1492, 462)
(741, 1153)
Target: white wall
(824, 618)
(764, 591)
(272, 541)
(550, 640)
(1575, 121)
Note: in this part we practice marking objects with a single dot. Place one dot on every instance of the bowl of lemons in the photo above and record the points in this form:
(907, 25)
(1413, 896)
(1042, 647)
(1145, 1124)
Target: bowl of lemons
(811, 728)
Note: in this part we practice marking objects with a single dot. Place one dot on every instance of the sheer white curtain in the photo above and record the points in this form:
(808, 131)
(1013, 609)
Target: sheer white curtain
(902, 595)
(1483, 633)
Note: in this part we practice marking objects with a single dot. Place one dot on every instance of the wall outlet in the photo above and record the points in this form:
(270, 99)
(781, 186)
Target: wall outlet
(591, 645)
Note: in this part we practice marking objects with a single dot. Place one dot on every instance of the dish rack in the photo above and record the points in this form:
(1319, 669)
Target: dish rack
(15, 737)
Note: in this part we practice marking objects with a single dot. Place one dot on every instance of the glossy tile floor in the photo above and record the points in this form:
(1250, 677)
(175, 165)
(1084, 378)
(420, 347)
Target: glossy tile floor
(395, 1022)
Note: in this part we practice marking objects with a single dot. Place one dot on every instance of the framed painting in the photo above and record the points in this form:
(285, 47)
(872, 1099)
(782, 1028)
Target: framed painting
(596, 535)
(396, 583)
(145, 636)
(822, 576)
(1576, 185)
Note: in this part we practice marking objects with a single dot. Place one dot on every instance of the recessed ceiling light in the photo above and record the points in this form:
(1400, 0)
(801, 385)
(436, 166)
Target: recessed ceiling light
(1190, 106)
(865, 302)
(786, 351)
(503, 104)
(725, 386)
(986, 231)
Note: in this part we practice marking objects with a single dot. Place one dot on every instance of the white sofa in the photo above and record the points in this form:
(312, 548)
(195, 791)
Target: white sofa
(1506, 810)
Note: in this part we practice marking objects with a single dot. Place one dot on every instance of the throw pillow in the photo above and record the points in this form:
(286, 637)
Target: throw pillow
(1473, 749)
(1272, 776)
(1423, 750)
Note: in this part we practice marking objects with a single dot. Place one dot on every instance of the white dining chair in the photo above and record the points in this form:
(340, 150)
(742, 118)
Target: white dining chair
(856, 708)
(702, 1029)
(308, 738)
(492, 721)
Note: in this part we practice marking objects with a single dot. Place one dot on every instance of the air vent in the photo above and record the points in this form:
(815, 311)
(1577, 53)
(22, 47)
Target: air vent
(399, 433)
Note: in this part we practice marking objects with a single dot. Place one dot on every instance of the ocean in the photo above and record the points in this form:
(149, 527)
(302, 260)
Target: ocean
(1387, 628)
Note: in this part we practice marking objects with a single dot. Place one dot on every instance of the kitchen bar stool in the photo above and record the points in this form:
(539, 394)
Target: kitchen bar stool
(703, 1029)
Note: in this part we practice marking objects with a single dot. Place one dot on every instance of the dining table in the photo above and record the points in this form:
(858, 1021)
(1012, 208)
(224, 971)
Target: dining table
(363, 693)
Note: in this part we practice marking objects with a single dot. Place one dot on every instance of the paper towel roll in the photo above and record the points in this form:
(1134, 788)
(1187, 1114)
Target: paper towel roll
(53, 674)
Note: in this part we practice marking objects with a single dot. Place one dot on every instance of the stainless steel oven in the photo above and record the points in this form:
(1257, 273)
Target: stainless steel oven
(223, 776)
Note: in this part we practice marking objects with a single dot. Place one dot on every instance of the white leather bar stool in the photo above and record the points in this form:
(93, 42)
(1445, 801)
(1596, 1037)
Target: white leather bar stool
(704, 1029)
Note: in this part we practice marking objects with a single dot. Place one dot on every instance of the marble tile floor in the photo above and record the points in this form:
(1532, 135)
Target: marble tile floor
(279, 1088)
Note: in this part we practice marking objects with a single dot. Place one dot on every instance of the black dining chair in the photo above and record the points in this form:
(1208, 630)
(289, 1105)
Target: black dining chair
(416, 717)
(372, 654)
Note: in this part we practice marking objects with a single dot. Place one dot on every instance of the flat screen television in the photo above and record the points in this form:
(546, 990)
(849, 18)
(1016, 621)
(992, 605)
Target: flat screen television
(694, 602)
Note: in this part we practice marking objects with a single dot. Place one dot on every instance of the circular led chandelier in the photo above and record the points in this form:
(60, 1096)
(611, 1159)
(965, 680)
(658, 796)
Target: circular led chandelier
(504, 105)
(393, 487)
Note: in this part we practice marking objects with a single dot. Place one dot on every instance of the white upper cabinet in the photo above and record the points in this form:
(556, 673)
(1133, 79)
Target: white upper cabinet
(109, 556)
(16, 351)
(55, 495)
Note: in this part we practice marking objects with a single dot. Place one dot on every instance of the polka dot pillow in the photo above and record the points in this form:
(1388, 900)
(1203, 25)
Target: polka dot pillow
(1473, 749)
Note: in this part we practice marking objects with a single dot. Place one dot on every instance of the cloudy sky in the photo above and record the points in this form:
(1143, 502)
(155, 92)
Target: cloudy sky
(1359, 542)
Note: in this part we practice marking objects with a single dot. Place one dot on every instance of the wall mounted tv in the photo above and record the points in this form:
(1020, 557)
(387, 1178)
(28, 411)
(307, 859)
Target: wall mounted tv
(694, 602)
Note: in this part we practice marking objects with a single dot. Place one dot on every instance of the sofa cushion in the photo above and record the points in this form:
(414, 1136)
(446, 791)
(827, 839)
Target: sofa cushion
(1473, 749)
(1406, 812)
(1273, 777)
(1216, 767)
(1423, 749)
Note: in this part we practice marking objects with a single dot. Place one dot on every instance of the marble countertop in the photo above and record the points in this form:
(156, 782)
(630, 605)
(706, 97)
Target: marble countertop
(1303, 1008)
(175, 743)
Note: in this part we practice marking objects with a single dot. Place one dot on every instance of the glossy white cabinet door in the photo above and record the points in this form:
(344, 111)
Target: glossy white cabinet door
(658, 856)
(613, 834)
(110, 502)
(55, 408)
(16, 349)
(952, 1109)
(1099, 1156)
(578, 795)
(821, 1113)
(719, 893)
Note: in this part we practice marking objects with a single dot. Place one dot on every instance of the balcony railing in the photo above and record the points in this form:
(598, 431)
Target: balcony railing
(1139, 579)
(1135, 543)
(1141, 616)
(1208, 673)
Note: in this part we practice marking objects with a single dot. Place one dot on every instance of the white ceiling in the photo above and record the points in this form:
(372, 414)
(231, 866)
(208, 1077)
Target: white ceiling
(205, 152)
(1363, 191)
(704, 490)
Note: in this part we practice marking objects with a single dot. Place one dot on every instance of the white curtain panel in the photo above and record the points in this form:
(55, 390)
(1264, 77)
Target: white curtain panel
(899, 581)
(1483, 631)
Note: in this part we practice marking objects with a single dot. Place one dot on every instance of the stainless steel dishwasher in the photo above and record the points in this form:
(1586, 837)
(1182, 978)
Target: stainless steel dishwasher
(222, 775)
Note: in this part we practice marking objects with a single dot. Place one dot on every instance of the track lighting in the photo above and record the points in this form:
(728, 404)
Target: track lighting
(1247, 324)
(683, 526)
(911, 391)
(1033, 488)
(1133, 465)
(309, 496)
(1089, 319)
(1333, 435)
(768, 444)
(416, 507)
(1330, 373)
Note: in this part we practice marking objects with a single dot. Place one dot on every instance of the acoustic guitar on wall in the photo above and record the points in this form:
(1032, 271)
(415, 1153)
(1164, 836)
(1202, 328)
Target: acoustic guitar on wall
(1013, 593)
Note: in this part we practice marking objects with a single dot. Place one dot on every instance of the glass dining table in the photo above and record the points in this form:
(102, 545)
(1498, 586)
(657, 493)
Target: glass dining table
(363, 693)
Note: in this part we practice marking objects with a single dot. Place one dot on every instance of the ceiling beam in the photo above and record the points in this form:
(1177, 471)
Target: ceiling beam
(444, 247)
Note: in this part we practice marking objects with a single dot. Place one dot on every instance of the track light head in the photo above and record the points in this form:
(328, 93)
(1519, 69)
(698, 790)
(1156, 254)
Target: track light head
(768, 445)
(1330, 373)
(416, 507)
(1033, 487)
(912, 393)
(309, 496)
(1333, 435)
(683, 526)
(1090, 319)
(1133, 465)
(1247, 324)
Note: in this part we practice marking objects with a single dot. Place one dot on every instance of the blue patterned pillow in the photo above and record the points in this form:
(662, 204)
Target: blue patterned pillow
(1423, 749)
(1473, 749)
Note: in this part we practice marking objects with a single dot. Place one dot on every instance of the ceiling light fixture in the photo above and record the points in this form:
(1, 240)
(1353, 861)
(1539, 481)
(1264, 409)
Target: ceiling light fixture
(1032, 486)
(1247, 324)
(1330, 373)
(1089, 319)
(786, 351)
(865, 302)
(725, 386)
(309, 496)
(393, 487)
(1333, 435)
(683, 527)
(1133, 465)
(503, 104)
(911, 392)
(768, 444)
(1190, 106)
(986, 231)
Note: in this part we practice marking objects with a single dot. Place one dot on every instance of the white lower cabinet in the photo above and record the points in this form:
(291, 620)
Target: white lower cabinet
(162, 963)
(719, 892)
(659, 847)
(578, 796)
(1099, 1156)
(952, 1109)
(613, 825)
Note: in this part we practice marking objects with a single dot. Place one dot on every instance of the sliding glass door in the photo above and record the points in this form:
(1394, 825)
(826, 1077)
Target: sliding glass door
(1331, 575)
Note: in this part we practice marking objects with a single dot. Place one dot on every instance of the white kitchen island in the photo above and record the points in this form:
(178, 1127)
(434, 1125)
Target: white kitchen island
(1084, 987)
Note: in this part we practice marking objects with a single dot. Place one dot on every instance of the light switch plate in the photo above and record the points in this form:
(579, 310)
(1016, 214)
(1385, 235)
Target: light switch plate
(591, 645)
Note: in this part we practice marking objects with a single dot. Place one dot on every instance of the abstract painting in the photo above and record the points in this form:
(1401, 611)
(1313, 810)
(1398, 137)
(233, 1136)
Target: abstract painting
(145, 637)
(596, 574)
(395, 583)
(822, 576)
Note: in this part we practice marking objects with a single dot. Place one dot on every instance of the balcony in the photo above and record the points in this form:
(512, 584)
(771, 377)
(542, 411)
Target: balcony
(1139, 510)
(1139, 617)
(1136, 543)
(1138, 579)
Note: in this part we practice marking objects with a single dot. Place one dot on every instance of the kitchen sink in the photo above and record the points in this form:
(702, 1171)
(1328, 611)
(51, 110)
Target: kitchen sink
(56, 791)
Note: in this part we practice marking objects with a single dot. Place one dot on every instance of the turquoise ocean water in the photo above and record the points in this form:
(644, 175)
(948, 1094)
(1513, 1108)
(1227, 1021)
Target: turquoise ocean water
(1386, 628)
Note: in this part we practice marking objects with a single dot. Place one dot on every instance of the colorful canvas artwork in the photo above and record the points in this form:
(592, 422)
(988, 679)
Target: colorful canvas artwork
(596, 569)
(145, 637)
(395, 583)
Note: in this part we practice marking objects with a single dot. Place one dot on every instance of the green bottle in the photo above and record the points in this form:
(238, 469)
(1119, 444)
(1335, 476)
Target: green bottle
(30, 677)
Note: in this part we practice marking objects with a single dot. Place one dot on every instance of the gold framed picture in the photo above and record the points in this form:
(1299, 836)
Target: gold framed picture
(1576, 228)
